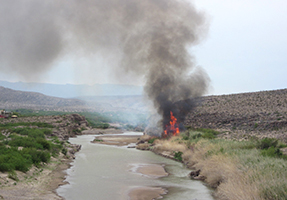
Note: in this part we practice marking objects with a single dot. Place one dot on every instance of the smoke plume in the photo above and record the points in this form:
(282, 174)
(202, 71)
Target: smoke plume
(149, 38)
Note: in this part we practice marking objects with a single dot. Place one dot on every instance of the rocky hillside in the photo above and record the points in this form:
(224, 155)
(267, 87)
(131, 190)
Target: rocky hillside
(64, 126)
(13, 99)
(259, 114)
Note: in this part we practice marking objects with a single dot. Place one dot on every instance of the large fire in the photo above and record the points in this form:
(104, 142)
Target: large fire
(172, 127)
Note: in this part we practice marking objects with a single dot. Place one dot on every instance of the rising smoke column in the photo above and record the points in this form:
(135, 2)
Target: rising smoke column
(149, 38)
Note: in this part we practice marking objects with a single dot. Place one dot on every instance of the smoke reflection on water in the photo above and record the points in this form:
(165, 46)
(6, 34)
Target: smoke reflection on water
(104, 172)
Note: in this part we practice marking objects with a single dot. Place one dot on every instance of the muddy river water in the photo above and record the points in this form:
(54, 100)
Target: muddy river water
(105, 172)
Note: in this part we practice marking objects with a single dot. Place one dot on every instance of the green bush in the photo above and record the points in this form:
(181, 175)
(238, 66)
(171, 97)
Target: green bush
(37, 156)
(12, 159)
(64, 151)
(208, 135)
(267, 143)
(177, 156)
(47, 131)
(2, 137)
(13, 175)
(45, 143)
(150, 141)
(273, 152)
(28, 142)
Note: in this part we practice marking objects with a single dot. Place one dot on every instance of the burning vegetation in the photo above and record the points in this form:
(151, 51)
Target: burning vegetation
(171, 129)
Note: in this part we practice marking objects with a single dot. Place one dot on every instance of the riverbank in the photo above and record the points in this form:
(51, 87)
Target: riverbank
(234, 169)
(37, 183)
(34, 154)
(227, 166)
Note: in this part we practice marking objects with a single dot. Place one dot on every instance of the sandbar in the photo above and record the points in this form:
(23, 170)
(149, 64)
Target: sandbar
(147, 193)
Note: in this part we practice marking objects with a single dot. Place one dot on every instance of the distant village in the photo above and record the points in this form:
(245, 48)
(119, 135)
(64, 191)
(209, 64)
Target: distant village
(7, 114)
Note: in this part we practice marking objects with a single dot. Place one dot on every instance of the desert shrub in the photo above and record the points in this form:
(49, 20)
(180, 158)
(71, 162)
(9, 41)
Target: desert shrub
(64, 151)
(199, 133)
(196, 135)
(36, 149)
(76, 131)
(42, 124)
(12, 174)
(39, 124)
(178, 155)
(19, 162)
(31, 132)
(273, 152)
(37, 156)
(47, 131)
(45, 143)
(12, 159)
(267, 143)
(2, 136)
(208, 135)
(4, 166)
(21, 131)
(150, 141)
(24, 142)
(55, 149)
(36, 133)
(206, 130)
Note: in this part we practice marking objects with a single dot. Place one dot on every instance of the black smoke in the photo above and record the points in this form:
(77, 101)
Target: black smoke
(151, 39)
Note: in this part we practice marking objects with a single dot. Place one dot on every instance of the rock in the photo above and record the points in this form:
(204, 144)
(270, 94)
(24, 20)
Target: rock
(143, 146)
(196, 175)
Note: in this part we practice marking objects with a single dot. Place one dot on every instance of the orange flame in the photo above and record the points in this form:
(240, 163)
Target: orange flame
(173, 127)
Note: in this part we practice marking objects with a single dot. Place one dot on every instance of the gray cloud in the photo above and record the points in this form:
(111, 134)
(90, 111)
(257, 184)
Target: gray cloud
(150, 37)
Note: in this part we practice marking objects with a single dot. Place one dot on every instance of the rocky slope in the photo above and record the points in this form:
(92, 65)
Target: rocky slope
(13, 99)
(64, 126)
(260, 114)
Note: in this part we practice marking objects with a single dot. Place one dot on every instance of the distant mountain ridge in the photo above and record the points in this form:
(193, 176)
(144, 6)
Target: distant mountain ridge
(13, 99)
(72, 91)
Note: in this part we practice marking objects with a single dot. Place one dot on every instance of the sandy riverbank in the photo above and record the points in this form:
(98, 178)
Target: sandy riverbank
(37, 183)
(118, 140)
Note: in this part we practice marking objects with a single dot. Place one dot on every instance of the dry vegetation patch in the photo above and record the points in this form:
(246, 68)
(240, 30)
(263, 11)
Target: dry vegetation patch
(235, 169)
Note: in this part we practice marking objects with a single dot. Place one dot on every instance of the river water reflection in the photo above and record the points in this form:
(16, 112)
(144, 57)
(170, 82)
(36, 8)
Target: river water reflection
(106, 172)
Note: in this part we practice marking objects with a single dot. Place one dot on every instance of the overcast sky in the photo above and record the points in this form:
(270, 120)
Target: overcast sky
(245, 50)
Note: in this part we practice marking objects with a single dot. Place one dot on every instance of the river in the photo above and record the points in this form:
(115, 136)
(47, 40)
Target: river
(105, 172)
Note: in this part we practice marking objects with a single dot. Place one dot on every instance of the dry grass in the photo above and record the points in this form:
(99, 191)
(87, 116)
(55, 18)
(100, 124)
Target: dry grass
(235, 169)
(173, 144)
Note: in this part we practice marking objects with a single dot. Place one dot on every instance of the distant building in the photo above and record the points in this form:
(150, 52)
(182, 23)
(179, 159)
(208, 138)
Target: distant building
(5, 114)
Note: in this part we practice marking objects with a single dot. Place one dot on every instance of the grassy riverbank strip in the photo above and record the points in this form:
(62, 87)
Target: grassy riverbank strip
(33, 155)
(253, 169)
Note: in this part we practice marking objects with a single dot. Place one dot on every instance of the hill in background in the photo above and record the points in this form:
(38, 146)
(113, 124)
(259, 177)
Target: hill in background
(14, 99)
(260, 114)
(235, 116)
(72, 91)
